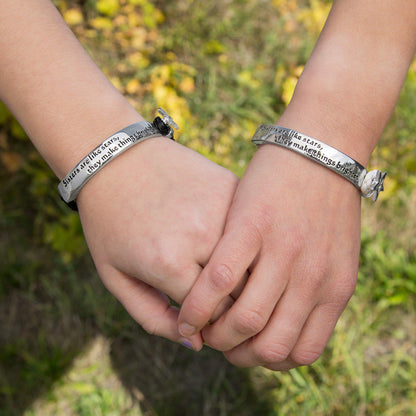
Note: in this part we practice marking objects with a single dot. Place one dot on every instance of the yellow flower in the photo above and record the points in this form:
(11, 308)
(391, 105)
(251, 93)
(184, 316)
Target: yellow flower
(73, 17)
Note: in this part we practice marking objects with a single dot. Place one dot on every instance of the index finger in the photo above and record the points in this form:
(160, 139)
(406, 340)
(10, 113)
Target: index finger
(228, 264)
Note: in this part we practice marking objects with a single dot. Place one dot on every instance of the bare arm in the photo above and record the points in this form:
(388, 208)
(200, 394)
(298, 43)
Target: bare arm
(61, 98)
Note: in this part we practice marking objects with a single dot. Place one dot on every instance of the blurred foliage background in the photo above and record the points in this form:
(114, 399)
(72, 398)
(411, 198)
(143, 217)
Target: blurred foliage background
(220, 69)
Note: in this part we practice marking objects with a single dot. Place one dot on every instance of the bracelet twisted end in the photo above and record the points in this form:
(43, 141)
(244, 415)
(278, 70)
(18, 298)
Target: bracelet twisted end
(165, 124)
(373, 184)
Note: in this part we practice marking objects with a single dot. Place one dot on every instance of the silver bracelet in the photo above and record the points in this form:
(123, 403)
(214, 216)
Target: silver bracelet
(369, 183)
(113, 146)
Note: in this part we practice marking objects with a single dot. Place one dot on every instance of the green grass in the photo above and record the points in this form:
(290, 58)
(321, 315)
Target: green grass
(68, 348)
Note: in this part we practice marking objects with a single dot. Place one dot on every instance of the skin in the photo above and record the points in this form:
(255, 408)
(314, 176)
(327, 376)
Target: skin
(159, 227)
(153, 216)
(294, 224)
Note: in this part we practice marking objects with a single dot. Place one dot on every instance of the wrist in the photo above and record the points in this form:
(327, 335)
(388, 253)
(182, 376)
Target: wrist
(370, 183)
(353, 78)
(66, 108)
(109, 149)
(70, 140)
(319, 110)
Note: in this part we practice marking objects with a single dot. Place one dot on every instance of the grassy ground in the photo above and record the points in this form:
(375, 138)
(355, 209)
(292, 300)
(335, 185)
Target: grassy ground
(68, 348)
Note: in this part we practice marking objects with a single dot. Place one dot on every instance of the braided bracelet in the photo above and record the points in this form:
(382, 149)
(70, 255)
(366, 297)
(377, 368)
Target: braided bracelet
(369, 183)
(113, 146)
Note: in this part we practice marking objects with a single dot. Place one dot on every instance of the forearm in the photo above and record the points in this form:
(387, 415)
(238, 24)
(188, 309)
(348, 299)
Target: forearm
(63, 101)
(353, 78)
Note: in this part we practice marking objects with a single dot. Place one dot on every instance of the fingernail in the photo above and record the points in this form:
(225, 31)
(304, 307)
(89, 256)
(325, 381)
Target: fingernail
(187, 343)
(186, 330)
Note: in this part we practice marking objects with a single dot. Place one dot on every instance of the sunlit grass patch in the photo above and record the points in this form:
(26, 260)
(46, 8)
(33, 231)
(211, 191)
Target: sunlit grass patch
(90, 387)
(367, 369)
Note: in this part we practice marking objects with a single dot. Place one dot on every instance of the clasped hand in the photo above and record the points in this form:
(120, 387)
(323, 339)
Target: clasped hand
(263, 267)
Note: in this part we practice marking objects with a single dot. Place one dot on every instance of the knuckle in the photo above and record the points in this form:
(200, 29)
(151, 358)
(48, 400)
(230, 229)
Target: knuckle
(347, 288)
(261, 221)
(264, 222)
(197, 310)
(151, 326)
(234, 359)
(221, 277)
(306, 355)
(163, 260)
(254, 233)
(294, 245)
(253, 229)
(293, 240)
(217, 343)
(275, 353)
(249, 322)
(201, 227)
(317, 277)
(166, 262)
(342, 289)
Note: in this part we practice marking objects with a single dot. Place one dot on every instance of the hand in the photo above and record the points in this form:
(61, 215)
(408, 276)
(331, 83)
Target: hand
(295, 225)
(151, 219)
